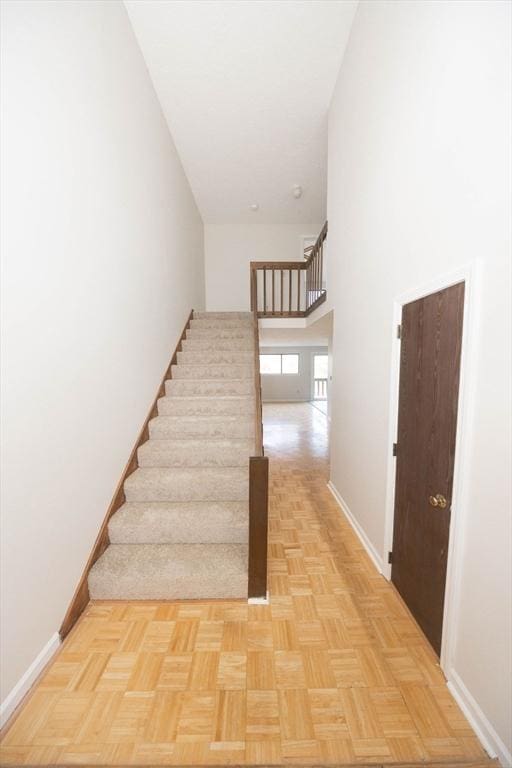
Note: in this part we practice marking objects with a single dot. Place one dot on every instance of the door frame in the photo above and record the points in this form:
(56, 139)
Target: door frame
(470, 273)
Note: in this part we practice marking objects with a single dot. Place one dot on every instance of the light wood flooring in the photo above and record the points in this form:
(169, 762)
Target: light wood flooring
(334, 670)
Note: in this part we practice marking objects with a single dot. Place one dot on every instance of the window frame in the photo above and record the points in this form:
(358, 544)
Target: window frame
(280, 355)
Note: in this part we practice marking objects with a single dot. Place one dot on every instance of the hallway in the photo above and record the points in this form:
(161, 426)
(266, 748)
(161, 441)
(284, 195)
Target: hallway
(334, 670)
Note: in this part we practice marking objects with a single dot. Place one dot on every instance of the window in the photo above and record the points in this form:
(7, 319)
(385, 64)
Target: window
(321, 365)
(279, 364)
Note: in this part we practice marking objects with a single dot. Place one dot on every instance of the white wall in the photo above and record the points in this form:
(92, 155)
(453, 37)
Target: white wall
(419, 184)
(230, 247)
(290, 387)
(102, 260)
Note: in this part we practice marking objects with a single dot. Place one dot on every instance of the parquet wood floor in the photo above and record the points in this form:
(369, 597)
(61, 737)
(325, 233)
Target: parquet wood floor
(334, 670)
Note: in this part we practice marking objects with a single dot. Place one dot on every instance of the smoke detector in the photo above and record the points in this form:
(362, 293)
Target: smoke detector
(297, 191)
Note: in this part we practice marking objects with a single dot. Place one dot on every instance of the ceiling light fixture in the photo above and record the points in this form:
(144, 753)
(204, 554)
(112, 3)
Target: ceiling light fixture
(254, 207)
(297, 191)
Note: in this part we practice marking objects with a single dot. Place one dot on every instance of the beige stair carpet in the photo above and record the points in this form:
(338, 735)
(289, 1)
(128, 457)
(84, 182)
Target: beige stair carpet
(183, 530)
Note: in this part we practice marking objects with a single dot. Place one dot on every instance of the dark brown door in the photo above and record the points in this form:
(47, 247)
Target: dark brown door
(431, 338)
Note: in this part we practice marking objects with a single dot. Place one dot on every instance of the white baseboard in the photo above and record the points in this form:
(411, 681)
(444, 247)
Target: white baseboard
(24, 684)
(363, 538)
(489, 739)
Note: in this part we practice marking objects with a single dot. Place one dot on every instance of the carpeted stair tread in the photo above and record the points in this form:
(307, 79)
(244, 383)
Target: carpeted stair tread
(162, 427)
(180, 452)
(221, 322)
(213, 371)
(169, 572)
(188, 484)
(223, 315)
(244, 332)
(216, 357)
(212, 344)
(192, 522)
(208, 387)
(242, 405)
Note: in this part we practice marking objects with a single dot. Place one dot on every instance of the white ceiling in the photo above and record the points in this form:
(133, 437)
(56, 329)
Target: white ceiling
(245, 87)
(315, 335)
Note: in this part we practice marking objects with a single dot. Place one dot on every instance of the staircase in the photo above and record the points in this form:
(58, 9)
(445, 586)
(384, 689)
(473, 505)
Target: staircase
(183, 530)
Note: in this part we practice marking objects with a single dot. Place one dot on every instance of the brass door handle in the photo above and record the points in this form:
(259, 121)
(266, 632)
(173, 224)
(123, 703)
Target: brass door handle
(438, 501)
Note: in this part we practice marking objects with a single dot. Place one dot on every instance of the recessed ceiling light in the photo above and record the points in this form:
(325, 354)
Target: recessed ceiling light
(297, 191)
(254, 207)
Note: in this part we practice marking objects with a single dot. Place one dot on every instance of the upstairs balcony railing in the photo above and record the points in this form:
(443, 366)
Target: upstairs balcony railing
(320, 389)
(289, 288)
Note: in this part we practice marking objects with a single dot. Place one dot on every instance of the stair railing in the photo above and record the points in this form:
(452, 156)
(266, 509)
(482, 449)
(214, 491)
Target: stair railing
(320, 389)
(258, 487)
(289, 288)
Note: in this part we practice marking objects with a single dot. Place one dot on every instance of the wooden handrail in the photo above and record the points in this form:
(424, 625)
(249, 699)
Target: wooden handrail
(81, 596)
(278, 265)
(292, 294)
(319, 243)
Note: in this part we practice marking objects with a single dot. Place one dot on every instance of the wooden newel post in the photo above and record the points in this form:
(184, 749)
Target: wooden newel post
(258, 526)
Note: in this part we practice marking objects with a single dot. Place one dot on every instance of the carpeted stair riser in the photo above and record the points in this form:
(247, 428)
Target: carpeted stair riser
(209, 387)
(205, 357)
(212, 371)
(206, 406)
(169, 572)
(192, 522)
(221, 323)
(220, 333)
(196, 453)
(195, 484)
(207, 427)
(224, 316)
(212, 344)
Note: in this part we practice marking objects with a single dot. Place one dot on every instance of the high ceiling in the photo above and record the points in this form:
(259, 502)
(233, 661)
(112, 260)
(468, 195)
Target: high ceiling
(245, 87)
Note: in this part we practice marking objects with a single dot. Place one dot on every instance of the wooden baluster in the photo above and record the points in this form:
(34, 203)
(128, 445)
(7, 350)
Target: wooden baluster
(312, 291)
(316, 276)
(321, 265)
(254, 307)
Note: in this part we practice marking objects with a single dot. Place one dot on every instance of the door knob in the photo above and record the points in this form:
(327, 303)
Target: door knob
(438, 501)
